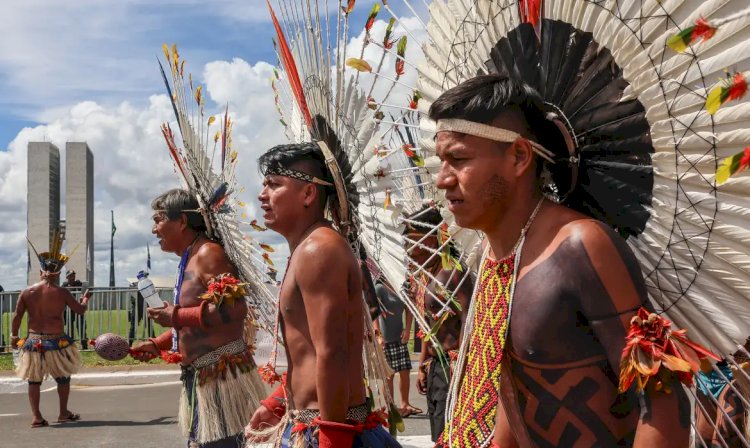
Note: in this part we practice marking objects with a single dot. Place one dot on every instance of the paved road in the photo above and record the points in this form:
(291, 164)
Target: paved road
(125, 416)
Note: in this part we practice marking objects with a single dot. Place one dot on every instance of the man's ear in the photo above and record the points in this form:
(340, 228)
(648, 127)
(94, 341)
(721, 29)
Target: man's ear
(523, 156)
(310, 191)
(183, 221)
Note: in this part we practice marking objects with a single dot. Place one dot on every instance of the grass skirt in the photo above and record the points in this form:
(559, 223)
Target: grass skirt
(45, 356)
(219, 398)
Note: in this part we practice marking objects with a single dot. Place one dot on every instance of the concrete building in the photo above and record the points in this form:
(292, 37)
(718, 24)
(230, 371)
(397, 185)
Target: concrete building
(43, 199)
(79, 210)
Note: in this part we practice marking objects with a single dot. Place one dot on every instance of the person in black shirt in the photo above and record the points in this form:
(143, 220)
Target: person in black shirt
(77, 323)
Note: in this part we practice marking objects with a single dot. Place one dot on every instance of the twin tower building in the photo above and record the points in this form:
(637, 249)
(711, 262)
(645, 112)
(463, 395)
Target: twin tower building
(44, 206)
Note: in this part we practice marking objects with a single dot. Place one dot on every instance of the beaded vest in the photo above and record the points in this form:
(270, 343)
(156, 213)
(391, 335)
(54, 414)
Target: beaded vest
(473, 420)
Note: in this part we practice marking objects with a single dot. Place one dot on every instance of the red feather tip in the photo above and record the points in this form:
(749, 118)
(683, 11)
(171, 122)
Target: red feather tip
(738, 89)
(702, 30)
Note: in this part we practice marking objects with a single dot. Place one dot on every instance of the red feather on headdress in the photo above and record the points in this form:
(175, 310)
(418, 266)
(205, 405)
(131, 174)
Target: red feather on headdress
(291, 69)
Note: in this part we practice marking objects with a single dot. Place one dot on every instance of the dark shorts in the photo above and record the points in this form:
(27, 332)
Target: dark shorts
(61, 380)
(397, 355)
(438, 382)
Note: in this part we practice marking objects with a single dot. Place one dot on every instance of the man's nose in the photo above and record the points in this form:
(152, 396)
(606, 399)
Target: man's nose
(262, 195)
(445, 177)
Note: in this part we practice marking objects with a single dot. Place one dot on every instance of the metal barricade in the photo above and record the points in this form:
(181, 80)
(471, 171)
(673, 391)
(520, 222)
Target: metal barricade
(110, 310)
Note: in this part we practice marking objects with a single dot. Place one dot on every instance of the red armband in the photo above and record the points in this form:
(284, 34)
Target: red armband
(188, 317)
(335, 434)
(163, 341)
(276, 402)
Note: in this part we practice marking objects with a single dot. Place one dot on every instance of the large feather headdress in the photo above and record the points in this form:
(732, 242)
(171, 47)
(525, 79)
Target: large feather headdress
(651, 95)
(372, 148)
(206, 165)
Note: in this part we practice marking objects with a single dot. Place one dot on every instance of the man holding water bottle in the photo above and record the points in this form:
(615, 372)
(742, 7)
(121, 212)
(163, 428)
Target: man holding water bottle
(47, 351)
(207, 333)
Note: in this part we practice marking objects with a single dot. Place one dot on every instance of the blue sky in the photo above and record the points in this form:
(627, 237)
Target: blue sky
(107, 53)
(86, 70)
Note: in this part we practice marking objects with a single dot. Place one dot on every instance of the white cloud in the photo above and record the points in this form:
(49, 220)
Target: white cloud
(132, 166)
(131, 161)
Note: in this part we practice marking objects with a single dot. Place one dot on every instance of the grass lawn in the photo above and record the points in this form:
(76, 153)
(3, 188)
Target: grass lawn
(97, 322)
(88, 358)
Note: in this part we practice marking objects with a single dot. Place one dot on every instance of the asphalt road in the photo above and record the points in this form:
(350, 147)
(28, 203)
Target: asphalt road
(126, 416)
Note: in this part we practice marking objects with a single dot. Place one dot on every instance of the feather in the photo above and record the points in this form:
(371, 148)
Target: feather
(266, 247)
(732, 88)
(291, 69)
(254, 224)
(702, 30)
(401, 52)
(371, 18)
(733, 165)
(359, 64)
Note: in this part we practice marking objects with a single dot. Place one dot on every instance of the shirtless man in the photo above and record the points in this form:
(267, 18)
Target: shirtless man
(207, 334)
(48, 351)
(321, 309)
(435, 367)
(578, 286)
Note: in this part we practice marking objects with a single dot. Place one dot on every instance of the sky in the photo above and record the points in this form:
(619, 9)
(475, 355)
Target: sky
(86, 70)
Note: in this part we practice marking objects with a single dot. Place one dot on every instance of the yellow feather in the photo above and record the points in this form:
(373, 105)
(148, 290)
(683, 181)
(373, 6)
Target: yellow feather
(713, 101)
(211, 120)
(166, 53)
(359, 65)
(724, 170)
(198, 94)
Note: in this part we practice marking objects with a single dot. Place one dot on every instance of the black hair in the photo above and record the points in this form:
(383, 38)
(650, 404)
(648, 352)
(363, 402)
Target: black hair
(308, 153)
(482, 98)
(177, 201)
(428, 215)
(284, 156)
(431, 218)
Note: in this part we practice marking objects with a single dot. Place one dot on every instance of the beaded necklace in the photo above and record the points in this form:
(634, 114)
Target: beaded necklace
(470, 430)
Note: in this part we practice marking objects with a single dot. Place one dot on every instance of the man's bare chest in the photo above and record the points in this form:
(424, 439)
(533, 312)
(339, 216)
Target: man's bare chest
(191, 288)
(548, 317)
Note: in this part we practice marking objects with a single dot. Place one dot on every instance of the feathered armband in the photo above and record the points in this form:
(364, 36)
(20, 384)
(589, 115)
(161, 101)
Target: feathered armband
(224, 287)
(653, 350)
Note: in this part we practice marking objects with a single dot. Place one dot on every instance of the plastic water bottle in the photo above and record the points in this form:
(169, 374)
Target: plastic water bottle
(147, 290)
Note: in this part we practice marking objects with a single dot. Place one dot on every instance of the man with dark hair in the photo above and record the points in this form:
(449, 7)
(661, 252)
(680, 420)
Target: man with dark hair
(571, 282)
(47, 351)
(77, 323)
(392, 329)
(218, 372)
(321, 312)
(435, 364)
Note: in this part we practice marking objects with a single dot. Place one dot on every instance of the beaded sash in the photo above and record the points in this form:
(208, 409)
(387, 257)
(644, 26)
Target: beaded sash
(474, 417)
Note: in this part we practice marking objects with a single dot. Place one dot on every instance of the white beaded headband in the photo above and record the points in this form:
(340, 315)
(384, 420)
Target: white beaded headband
(491, 133)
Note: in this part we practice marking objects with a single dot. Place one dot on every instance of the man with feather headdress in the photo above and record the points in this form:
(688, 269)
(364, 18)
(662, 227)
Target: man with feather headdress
(576, 296)
(208, 325)
(322, 401)
(47, 351)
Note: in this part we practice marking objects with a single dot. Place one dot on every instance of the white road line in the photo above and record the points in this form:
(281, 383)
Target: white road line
(8, 415)
(127, 386)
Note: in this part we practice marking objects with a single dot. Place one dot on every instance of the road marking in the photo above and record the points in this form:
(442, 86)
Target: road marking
(127, 386)
(8, 415)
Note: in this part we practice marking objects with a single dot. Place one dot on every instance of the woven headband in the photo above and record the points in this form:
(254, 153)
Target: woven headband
(299, 175)
(491, 133)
